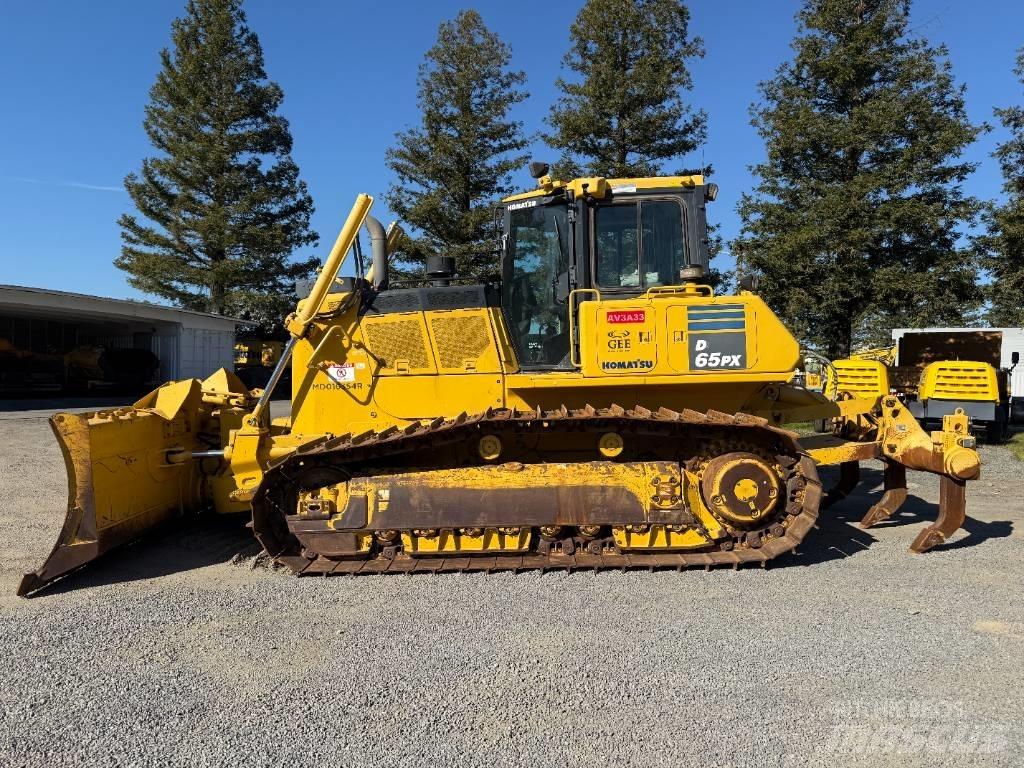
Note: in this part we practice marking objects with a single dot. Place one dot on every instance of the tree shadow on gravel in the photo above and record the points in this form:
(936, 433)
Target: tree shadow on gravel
(175, 549)
(838, 534)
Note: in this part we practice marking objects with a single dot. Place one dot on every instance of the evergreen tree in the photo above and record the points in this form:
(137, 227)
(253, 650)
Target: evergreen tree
(457, 163)
(624, 114)
(853, 224)
(223, 199)
(1004, 246)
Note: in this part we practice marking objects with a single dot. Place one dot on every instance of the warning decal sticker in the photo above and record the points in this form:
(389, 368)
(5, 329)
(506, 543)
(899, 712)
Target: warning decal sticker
(342, 372)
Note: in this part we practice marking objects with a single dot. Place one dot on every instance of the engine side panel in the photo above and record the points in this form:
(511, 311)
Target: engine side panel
(676, 334)
(420, 356)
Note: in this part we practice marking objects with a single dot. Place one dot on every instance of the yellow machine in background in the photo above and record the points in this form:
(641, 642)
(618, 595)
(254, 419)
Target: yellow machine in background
(966, 380)
(936, 374)
(863, 374)
(813, 381)
(250, 352)
(859, 377)
(597, 407)
(811, 373)
(255, 360)
(884, 355)
(943, 372)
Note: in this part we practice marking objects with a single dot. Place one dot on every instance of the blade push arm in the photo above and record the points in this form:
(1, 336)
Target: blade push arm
(299, 322)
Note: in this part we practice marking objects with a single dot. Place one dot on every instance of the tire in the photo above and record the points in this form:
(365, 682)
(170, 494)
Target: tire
(996, 432)
(1017, 410)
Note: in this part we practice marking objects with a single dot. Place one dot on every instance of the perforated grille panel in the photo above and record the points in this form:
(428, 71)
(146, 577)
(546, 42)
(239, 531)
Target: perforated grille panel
(963, 379)
(862, 378)
(460, 339)
(396, 340)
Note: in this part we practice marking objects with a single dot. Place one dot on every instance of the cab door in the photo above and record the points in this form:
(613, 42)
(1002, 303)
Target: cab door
(537, 278)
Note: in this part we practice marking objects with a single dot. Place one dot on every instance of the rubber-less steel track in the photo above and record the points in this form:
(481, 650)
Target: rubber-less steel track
(368, 452)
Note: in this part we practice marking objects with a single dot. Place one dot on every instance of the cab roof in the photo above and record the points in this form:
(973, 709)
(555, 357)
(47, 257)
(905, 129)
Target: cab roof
(599, 186)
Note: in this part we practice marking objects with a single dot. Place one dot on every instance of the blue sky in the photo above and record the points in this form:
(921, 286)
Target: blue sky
(77, 75)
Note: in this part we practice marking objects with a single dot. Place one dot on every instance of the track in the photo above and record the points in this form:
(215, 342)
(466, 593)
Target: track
(422, 444)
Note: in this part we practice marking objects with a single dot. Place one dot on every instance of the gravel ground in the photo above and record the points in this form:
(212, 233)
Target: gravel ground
(852, 653)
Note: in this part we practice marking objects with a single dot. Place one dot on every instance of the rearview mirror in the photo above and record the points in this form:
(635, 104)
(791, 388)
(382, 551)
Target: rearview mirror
(1014, 358)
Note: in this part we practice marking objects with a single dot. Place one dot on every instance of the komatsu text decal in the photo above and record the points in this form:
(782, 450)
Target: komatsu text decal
(524, 204)
(627, 365)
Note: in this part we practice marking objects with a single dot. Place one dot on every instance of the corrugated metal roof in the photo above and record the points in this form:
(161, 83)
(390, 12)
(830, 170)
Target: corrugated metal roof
(52, 299)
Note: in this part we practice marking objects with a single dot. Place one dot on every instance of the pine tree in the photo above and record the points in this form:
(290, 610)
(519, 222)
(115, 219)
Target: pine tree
(624, 114)
(1004, 246)
(223, 199)
(853, 225)
(457, 163)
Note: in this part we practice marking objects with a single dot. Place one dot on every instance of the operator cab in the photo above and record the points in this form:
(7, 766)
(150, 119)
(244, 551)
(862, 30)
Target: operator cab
(618, 237)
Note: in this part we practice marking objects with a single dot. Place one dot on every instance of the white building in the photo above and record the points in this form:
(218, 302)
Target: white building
(188, 344)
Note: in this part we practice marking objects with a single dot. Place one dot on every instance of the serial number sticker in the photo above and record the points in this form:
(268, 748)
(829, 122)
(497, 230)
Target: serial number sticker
(634, 316)
(342, 372)
(720, 350)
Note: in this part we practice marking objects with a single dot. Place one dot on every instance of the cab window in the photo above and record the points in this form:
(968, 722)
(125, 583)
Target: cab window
(538, 251)
(639, 245)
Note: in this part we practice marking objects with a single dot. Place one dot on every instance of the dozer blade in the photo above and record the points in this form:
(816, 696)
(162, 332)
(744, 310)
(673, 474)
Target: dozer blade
(120, 480)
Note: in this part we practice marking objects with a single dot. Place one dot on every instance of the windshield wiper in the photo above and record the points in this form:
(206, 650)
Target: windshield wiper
(561, 250)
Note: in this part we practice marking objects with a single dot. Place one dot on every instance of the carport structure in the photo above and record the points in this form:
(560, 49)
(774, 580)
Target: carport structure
(48, 324)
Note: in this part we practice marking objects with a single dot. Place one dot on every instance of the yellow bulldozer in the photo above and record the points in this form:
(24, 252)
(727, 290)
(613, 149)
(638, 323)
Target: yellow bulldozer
(597, 406)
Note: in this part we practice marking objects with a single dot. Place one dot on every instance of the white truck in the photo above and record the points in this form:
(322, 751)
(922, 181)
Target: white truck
(1007, 348)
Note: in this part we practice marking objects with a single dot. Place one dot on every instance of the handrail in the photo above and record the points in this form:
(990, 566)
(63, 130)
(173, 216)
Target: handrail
(572, 325)
(298, 324)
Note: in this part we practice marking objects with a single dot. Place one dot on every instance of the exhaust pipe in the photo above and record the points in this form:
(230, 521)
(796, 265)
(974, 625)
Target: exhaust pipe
(378, 274)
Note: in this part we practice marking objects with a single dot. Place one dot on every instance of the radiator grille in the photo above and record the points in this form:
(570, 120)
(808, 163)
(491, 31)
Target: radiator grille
(862, 378)
(396, 340)
(460, 339)
(963, 380)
